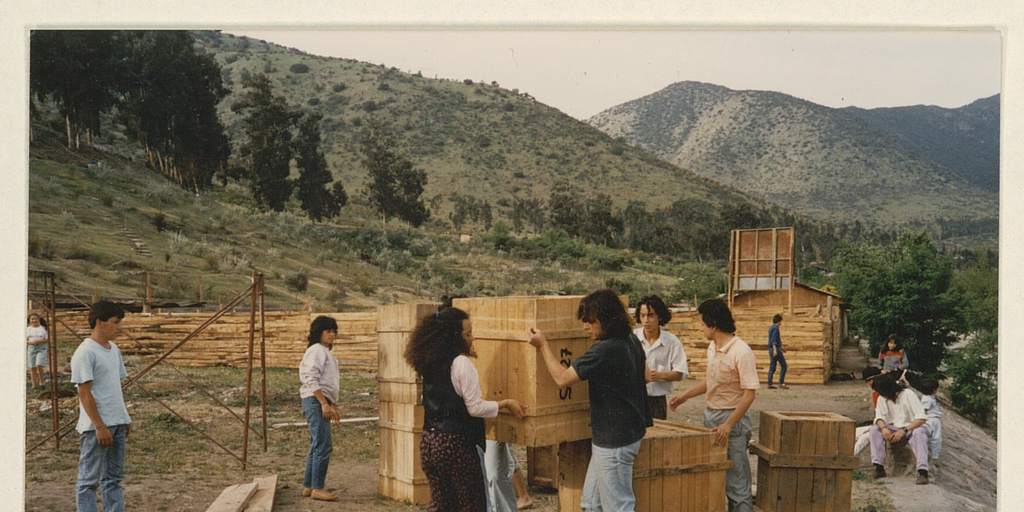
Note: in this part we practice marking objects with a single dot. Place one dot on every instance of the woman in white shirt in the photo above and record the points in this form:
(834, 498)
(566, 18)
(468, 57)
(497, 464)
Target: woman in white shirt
(452, 441)
(318, 373)
(37, 339)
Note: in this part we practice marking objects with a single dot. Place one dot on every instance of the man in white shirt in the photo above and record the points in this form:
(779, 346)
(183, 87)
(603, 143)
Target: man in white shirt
(666, 360)
(899, 416)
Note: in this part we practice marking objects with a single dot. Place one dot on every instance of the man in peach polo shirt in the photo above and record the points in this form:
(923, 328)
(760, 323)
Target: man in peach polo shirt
(729, 389)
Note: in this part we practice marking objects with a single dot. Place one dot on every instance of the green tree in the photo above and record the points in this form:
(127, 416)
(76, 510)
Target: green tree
(601, 225)
(269, 149)
(395, 185)
(81, 71)
(170, 106)
(901, 289)
(566, 209)
(315, 197)
(977, 291)
(974, 369)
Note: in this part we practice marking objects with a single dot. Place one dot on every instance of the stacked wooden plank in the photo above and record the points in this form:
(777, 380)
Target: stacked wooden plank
(805, 462)
(257, 496)
(226, 341)
(400, 391)
(509, 367)
(678, 469)
(810, 341)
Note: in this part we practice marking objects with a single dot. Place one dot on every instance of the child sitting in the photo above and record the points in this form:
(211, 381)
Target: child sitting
(931, 409)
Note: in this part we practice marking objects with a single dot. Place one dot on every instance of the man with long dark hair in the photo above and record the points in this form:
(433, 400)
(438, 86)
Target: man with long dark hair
(619, 416)
(729, 389)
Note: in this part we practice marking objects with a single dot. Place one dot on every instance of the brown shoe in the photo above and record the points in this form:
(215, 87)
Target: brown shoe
(306, 491)
(783, 386)
(772, 387)
(323, 495)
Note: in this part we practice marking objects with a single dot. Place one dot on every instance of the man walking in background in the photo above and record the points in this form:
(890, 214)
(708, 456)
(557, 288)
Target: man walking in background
(775, 353)
(103, 422)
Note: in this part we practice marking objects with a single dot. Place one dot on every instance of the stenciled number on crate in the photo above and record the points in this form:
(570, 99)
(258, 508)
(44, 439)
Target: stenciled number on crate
(566, 355)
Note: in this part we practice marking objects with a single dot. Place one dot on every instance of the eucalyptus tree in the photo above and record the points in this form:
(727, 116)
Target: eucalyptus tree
(268, 151)
(81, 72)
(395, 186)
(170, 106)
(315, 195)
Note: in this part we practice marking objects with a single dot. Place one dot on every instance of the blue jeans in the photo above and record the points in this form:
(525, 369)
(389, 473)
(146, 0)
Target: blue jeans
(779, 359)
(320, 445)
(100, 467)
(737, 477)
(609, 481)
(499, 466)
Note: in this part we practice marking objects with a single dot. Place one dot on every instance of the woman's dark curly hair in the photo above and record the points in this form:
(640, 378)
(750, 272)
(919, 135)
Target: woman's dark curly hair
(654, 305)
(437, 339)
(319, 325)
(605, 307)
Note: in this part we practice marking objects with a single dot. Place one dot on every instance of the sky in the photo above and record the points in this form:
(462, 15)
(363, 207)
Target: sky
(582, 73)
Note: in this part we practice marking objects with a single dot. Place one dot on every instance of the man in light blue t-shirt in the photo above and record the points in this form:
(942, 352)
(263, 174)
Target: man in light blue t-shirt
(103, 422)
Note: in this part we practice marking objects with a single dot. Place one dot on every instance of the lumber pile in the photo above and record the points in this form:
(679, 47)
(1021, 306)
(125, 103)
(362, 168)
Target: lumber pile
(257, 496)
(810, 341)
(226, 341)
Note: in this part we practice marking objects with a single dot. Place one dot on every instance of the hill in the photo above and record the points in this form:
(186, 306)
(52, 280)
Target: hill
(964, 140)
(474, 139)
(824, 162)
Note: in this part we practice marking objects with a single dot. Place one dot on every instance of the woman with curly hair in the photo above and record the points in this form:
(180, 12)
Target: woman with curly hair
(318, 373)
(452, 442)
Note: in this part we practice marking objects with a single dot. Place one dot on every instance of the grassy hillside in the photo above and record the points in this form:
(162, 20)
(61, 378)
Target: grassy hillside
(99, 229)
(473, 139)
(822, 162)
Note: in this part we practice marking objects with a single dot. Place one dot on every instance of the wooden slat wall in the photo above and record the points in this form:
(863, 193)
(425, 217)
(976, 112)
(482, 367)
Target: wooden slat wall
(809, 339)
(226, 341)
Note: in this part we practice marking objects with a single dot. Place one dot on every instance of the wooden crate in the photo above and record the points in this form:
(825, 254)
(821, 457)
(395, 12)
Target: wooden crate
(396, 380)
(542, 466)
(399, 471)
(509, 367)
(678, 469)
(399, 391)
(805, 462)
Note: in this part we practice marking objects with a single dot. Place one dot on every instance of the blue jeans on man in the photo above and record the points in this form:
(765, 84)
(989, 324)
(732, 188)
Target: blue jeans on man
(779, 359)
(320, 445)
(737, 476)
(101, 467)
(609, 481)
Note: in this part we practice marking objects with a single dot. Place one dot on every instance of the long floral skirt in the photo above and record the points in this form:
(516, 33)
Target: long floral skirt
(453, 470)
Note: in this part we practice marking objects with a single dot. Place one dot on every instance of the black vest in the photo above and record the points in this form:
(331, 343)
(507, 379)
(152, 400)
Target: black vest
(444, 410)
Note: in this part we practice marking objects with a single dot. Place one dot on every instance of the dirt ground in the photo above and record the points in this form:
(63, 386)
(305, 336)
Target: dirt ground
(170, 468)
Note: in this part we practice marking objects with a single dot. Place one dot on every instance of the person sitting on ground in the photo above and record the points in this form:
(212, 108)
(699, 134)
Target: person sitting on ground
(665, 357)
(899, 416)
(863, 433)
(928, 388)
(892, 356)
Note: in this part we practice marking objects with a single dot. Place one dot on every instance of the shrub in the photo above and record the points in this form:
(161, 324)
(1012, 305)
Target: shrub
(383, 87)
(41, 248)
(468, 81)
(68, 220)
(160, 221)
(298, 282)
(338, 87)
(298, 68)
(313, 102)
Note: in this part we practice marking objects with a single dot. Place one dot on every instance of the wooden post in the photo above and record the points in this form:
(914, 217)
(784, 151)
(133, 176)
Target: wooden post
(145, 306)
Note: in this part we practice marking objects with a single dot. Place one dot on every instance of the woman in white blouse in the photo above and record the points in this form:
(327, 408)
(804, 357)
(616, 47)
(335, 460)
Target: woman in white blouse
(452, 442)
(318, 373)
(37, 339)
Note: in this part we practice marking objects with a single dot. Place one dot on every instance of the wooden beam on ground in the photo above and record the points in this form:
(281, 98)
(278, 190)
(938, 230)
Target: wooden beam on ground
(234, 498)
(263, 500)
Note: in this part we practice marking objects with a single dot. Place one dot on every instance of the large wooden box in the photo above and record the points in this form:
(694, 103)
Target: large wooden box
(805, 462)
(396, 380)
(399, 472)
(509, 367)
(678, 469)
(542, 466)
